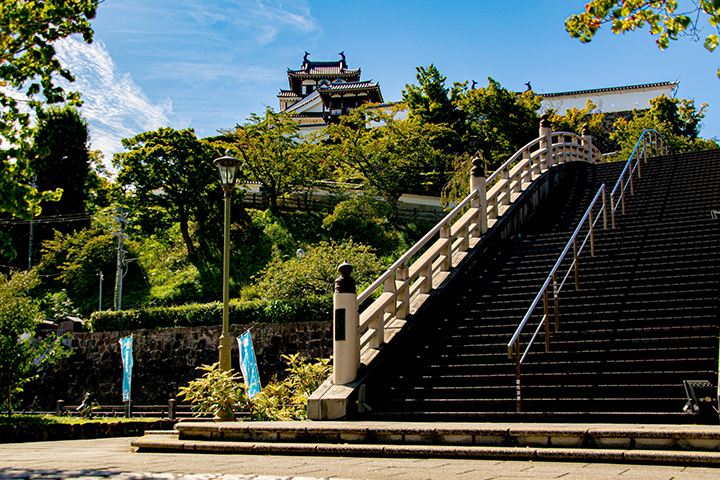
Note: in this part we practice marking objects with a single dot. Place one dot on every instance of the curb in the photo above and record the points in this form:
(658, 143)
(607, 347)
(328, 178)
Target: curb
(166, 442)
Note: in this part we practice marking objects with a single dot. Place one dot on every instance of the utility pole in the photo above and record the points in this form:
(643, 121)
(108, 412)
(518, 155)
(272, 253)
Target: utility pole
(100, 295)
(121, 219)
(32, 227)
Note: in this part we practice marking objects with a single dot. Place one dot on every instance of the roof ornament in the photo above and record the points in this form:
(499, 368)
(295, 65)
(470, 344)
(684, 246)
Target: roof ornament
(305, 59)
(529, 87)
(342, 59)
(472, 87)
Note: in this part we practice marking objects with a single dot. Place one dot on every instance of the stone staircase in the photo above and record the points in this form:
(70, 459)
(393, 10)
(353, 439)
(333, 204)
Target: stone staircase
(609, 390)
(645, 317)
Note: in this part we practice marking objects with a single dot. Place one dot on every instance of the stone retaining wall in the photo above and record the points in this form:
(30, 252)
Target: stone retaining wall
(165, 360)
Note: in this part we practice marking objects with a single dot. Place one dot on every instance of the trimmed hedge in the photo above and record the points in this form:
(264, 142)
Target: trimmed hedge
(315, 307)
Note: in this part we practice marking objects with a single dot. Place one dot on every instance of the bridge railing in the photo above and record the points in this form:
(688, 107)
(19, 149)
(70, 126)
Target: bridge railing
(456, 233)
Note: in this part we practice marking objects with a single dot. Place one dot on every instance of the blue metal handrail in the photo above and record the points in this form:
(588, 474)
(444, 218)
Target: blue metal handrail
(646, 134)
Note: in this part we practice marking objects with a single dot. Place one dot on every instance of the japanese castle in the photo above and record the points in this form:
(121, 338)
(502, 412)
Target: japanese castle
(320, 92)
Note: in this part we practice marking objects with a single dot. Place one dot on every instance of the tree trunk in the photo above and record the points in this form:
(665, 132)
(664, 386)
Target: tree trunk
(185, 231)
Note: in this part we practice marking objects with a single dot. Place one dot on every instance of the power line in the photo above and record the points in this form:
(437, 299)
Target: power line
(70, 217)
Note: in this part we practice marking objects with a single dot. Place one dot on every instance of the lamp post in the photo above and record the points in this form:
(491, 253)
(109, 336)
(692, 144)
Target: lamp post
(228, 167)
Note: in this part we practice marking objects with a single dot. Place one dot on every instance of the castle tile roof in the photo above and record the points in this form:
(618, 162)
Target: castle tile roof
(611, 89)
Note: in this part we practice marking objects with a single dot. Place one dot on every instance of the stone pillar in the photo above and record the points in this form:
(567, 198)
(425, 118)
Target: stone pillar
(478, 182)
(346, 342)
(587, 141)
(546, 131)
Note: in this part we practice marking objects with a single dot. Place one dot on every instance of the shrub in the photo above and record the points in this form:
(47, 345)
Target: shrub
(364, 220)
(314, 272)
(279, 400)
(311, 307)
(286, 400)
(216, 391)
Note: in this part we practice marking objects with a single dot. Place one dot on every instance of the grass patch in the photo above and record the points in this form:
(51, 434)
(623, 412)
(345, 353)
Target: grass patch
(25, 419)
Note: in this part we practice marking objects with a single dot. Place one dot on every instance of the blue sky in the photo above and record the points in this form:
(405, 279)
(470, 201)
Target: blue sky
(208, 65)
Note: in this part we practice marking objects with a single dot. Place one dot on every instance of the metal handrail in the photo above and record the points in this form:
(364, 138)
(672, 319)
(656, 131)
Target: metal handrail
(514, 342)
(659, 146)
(556, 267)
(552, 277)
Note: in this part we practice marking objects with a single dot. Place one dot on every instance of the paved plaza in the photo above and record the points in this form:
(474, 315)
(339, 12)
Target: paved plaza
(114, 459)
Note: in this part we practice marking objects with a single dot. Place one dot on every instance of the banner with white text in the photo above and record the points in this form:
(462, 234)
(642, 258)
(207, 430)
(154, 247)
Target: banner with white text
(127, 360)
(248, 364)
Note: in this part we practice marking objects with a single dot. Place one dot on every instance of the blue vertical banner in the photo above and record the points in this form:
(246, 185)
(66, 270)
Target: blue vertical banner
(127, 360)
(248, 364)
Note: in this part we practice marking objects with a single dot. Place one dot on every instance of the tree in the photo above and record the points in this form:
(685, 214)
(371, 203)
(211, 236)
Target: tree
(272, 154)
(29, 67)
(73, 261)
(431, 102)
(169, 172)
(62, 160)
(396, 157)
(662, 17)
(21, 355)
(503, 121)
(575, 118)
(678, 120)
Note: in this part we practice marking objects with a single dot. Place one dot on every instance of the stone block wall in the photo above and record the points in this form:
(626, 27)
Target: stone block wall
(167, 359)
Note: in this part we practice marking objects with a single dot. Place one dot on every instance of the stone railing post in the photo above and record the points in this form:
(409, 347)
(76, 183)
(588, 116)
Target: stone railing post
(346, 343)
(60, 408)
(172, 407)
(587, 141)
(546, 133)
(478, 182)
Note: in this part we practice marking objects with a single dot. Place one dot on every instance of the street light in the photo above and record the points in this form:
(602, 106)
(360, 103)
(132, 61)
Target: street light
(228, 167)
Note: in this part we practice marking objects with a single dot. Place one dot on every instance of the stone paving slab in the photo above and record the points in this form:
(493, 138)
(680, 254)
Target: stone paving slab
(113, 459)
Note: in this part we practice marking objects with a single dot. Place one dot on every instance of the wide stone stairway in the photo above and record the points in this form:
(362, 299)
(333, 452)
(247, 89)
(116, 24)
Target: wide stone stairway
(644, 319)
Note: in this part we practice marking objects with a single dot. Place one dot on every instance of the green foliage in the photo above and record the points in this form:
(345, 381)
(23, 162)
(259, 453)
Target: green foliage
(62, 159)
(678, 120)
(171, 170)
(279, 400)
(215, 392)
(310, 307)
(286, 400)
(56, 305)
(575, 118)
(272, 154)
(29, 67)
(501, 121)
(399, 156)
(364, 220)
(662, 18)
(314, 273)
(431, 102)
(275, 233)
(21, 355)
(73, 262)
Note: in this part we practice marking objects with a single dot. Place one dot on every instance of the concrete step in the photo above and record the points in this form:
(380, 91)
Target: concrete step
(560, 441)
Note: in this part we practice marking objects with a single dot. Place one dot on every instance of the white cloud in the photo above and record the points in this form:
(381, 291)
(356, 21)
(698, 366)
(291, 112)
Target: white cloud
(114, 105)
